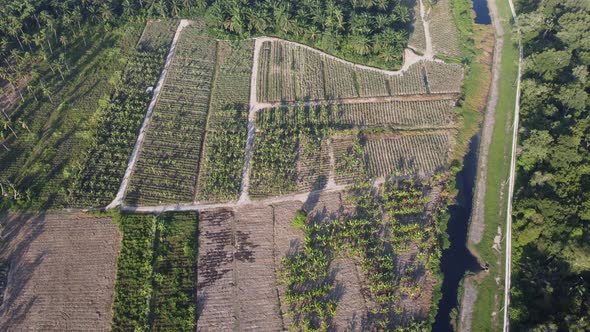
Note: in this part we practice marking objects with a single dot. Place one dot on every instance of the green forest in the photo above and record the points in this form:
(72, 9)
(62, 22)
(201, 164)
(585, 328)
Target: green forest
(551, 262)
(366, 31)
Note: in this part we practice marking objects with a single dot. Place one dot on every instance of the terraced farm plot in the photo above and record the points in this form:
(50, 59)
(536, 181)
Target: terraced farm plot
(155, 272)
(273, 162)
(407, 154)
(220, 170)
(167, 165)
(445, 36)
(290, 72)
(399, 114)
(173, 297)
(313, 163)
(444, 77)
(350, 163)
(61, 272)
(98, 182)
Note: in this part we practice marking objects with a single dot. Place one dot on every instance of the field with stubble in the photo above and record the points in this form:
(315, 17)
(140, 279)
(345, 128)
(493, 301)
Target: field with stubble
(60, 272)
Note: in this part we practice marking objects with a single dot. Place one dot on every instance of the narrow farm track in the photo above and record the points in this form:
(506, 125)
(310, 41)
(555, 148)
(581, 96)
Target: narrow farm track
(301, 197)
(508, 239)
(363, 100)
(140, 138)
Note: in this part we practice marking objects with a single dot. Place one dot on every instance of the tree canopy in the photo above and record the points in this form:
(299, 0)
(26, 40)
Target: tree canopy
(367, 31)
(552, 205)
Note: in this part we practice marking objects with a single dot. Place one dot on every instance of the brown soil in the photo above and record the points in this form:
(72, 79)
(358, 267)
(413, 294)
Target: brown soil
(61, 272)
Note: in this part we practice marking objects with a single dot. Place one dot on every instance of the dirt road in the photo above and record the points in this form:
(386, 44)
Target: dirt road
(133, 159)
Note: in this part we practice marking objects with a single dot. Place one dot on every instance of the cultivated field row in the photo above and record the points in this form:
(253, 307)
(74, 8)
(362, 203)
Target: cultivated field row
(289, 72)
(193, 150)
(167, 164)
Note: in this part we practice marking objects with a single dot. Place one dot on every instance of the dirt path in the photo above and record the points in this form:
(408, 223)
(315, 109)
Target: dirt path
(254, 107)
(508, 253)
(477, 226)
(301, 197)
(133, 159)
(428, 54)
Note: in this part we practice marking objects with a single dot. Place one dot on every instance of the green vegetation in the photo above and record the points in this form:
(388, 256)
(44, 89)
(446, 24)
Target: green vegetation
(173, 297)
(63, 62)
(169, 156)
(100, 176)
(283, 133)
(378, 229)
(45, 136)
(489, 295)
(220, 172)
(551, 255)
(133, 287)
(370, 32)
(155, 272)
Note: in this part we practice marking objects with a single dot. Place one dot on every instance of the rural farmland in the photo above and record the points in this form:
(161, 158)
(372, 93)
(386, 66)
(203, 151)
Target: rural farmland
(237, 177)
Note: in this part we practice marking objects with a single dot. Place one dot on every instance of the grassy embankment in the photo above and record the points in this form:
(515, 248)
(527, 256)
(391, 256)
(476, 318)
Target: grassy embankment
(489, 294)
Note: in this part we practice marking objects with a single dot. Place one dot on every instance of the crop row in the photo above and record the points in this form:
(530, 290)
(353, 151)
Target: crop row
(444, 77)
(155, 273)
(166, 169)
(313, 162)
(445, 36)
(399, 114)
(273, 162)
(290, 72)
(220, 171)
(349, 159)
(407, 154)
(98, 182)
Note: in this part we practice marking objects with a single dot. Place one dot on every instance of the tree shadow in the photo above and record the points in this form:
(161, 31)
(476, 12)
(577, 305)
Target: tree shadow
(18, 233)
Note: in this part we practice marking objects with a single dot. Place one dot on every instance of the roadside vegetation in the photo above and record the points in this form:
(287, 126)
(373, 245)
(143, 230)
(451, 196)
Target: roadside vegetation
(551, 261)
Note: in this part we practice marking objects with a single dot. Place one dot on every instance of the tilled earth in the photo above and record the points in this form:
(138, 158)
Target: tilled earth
(61, 272)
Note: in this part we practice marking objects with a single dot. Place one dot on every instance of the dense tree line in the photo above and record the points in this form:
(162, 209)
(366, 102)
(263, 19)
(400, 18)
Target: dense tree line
(45, 28)
(551, 285)
(367, 31)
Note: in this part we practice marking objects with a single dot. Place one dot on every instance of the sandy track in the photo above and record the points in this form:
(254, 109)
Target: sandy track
(508, 239)
(133, 159)
(62, 272)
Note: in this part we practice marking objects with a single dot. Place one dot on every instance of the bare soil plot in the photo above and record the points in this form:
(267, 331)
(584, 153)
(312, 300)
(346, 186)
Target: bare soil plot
(216, 292)
(62, 272)
(258, 300)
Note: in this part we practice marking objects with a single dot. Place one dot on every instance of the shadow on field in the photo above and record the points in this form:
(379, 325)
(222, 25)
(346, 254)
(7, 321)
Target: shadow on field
(17, 235)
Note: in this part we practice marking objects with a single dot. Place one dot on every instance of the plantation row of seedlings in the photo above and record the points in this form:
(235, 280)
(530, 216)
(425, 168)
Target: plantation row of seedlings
(292, 72)
(166, 169)
(98, 182)
(390, 234)
(293, 144)
(220, 171)
(154, 290)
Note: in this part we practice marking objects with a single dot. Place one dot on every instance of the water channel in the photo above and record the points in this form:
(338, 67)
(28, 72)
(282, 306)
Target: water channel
(457, 260)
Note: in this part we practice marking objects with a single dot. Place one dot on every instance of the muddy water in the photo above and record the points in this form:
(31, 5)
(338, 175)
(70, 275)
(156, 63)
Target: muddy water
(457, 260)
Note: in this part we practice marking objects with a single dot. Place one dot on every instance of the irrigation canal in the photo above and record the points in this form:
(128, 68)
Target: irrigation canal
(456, 260)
